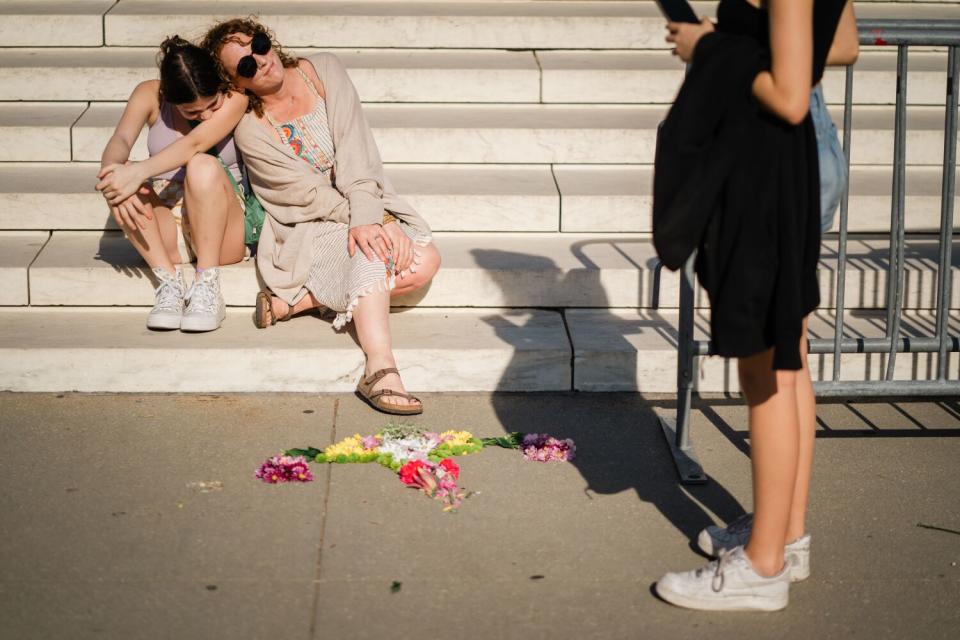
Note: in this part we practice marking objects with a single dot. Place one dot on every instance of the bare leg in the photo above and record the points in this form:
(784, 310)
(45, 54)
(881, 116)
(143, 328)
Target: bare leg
(372, 319)
(807, 414)
(157, 243)
(429, 264)
(774, 443)
(214, 213)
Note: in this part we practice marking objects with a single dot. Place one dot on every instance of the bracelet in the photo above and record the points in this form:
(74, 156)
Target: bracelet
(388, 218)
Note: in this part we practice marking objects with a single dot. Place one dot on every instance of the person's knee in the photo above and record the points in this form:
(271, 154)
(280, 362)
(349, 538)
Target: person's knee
(203, 173)
(430, 263)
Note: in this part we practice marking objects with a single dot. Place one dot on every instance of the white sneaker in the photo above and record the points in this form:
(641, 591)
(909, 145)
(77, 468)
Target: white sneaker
(168, 308)
(205, 308)
(714, 540)
(728, 583)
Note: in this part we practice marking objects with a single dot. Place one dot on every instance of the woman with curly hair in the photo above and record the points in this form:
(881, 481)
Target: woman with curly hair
(180, 204)
(336, 233)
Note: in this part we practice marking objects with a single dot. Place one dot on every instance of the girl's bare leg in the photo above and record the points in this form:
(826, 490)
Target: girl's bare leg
(775, 445)
(157, 243)
(214, 213)
(807, 416)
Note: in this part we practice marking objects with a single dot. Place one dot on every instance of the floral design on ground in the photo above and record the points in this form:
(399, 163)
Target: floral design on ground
(286, 468)
(420, 458)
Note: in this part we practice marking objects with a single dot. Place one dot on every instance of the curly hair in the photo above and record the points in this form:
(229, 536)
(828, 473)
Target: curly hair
(227, 31)
(187, 72)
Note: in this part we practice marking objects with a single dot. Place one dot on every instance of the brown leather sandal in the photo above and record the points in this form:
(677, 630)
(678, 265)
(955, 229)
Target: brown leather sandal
(263, 313)
(375, 398)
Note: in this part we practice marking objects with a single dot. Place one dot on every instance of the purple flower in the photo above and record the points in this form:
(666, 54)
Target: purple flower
(279, 469)
(370, 442)
(541, 447)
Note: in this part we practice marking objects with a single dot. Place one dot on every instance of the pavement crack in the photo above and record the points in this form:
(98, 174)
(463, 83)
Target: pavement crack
(328, 473)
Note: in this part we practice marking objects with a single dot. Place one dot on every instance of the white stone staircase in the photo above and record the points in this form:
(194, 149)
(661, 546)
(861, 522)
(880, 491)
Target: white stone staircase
(523, 130)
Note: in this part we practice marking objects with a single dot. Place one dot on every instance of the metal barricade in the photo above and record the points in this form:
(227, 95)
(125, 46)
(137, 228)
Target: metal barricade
(903, 34)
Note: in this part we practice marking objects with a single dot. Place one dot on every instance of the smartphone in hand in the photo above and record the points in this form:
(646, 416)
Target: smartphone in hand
(678, 11)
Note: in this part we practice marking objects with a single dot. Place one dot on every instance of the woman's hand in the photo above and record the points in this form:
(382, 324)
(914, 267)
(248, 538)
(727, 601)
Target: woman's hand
(120, 181)
(133, 213)
(402, 247)
(371, 240)
(685, 35)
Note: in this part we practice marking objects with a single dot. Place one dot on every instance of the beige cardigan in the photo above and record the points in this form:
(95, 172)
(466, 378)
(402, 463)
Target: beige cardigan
(297, 196)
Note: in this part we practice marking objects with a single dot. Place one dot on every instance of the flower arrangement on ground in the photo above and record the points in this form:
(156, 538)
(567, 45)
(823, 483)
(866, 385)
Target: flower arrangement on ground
(421, 458)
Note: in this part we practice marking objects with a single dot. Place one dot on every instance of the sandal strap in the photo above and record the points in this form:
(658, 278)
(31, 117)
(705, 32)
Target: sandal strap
(377, 375)
(391, 392)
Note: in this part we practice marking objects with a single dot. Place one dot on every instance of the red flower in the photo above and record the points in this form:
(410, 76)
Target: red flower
(410, 472)
(450, 467)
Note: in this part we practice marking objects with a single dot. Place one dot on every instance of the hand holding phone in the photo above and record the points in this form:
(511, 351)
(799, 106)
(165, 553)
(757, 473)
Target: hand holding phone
(678, 11)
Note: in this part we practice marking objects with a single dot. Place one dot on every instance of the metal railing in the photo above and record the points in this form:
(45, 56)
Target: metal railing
(903, 34)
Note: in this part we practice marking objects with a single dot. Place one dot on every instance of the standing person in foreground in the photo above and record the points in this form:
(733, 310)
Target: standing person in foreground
(758, 259)
(180, 203)
(336, 234)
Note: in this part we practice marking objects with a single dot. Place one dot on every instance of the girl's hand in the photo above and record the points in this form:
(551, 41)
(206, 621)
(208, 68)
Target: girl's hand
(402, 246)
(685, 35)
(133, 213)
(120, 181)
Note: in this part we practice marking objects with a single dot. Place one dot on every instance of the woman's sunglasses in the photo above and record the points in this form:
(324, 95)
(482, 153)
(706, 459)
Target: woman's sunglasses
(259, 45)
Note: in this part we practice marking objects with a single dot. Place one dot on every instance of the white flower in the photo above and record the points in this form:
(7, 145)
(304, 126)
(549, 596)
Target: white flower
(405, 449)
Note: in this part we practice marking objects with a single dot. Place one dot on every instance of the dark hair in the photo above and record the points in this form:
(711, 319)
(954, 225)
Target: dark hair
(187, 72)
(226, 31)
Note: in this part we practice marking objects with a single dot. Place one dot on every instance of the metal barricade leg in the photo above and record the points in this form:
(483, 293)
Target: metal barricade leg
(677, 431)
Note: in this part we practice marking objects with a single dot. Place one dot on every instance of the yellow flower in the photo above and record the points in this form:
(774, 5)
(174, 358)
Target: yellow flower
(346, 447)
(456, 438)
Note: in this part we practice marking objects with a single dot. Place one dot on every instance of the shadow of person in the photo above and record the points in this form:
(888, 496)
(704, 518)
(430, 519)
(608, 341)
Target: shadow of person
(620, 446)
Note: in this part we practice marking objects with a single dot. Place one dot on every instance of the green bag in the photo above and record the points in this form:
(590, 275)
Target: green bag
(253, 212)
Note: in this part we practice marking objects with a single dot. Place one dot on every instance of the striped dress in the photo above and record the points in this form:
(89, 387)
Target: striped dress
(336, 280)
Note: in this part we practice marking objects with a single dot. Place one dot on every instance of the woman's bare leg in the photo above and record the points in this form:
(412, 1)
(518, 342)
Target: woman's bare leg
(214, 213)
(429, 264)
(807, 415)
(372, 319)
(774, 444)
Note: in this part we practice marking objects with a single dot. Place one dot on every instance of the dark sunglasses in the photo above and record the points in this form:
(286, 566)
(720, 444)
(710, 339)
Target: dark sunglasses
(259, 45)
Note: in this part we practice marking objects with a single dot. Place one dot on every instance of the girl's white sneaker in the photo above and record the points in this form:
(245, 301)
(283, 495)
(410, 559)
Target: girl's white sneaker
(168, 306)
(728, 583)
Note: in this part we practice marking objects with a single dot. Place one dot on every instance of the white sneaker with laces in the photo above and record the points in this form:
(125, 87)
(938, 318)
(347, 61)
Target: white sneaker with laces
(714, 540)
(205, 307)
(168, 306)
(728, 583)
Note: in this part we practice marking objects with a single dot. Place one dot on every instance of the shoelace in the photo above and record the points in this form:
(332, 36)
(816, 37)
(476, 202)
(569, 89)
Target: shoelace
(168, 295)
(717, 581)
(202, 297)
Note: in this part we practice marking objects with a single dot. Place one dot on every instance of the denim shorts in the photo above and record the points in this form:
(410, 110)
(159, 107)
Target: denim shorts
(833, 164)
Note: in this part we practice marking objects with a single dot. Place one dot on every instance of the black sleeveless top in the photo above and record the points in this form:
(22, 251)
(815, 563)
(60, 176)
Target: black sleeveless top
(741, 17)
(764, 280)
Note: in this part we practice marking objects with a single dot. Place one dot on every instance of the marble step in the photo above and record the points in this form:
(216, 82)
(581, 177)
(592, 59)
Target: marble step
(38, 131)
(636, 350)
(418, 24)
(53, 23)
(468, 76)
(532, 134)
(483, 198)
(18, 249)
(412, 75)
(111, 350)
(481, 24)
(452, 197)
(489, 270)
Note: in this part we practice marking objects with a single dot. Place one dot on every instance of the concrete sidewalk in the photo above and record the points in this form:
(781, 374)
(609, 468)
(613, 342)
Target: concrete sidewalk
(106, 533)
